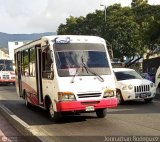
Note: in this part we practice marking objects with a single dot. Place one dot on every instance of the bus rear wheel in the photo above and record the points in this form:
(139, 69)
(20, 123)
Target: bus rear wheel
(28, 105)
(55, 116)
(101, 113)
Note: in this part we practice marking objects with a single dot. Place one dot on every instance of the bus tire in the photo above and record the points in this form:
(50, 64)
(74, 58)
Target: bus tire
(101, 113)
(119, 97)
(28, 105)
(55, 116)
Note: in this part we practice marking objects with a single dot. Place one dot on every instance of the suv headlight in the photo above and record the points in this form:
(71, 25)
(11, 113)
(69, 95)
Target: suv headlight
(66, 96)
(130, 87)
(152, 85)
(125, 87)
(108, 93)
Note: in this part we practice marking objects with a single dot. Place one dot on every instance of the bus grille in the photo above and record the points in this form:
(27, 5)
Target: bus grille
(88, 95)
(142, 88)
(5, 76)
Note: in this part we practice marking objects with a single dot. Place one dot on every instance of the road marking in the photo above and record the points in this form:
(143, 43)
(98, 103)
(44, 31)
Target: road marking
(115, 110)
(22, 126)
(14, 116)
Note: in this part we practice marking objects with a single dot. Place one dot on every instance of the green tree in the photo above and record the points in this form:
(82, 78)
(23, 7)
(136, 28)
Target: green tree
(147, 16)
(130, 30)
(123, 32)
(137, 3)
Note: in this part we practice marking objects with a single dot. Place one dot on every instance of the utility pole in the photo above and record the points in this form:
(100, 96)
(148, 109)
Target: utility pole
(108, 44)
(104, 11)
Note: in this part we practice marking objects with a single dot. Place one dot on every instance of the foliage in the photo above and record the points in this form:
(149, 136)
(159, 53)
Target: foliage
(132, 31)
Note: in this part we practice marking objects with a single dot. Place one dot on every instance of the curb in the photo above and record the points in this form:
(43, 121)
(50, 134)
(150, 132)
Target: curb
(22, 127)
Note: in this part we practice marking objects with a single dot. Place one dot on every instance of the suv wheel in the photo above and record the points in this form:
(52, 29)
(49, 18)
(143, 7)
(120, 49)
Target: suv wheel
(148, 100)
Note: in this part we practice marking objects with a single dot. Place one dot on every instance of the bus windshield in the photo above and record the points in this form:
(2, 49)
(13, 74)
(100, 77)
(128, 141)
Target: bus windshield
(72, 56)
(6, 65)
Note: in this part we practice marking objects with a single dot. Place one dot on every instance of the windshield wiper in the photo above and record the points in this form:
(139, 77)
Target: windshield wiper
(78, 70)
(87, 70)
(94, 73)
(3, 67)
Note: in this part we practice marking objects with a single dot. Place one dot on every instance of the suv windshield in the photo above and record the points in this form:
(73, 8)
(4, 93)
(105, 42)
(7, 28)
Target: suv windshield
(124, 75)
(72, 56)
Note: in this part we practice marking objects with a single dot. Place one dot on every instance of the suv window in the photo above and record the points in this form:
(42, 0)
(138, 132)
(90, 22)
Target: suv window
(124, 75)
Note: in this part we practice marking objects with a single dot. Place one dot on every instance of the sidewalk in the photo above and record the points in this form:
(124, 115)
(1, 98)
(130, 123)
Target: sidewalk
(8, 133)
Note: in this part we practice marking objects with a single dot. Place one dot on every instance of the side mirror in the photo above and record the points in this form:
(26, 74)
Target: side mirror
(110, 53)
(52, 56)
(51, 75)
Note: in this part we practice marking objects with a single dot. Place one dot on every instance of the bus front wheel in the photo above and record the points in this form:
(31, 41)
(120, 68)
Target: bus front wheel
(55, 116)
(119, 97)
(101, 113)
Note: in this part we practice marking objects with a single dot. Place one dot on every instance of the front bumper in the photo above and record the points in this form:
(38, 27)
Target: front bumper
(7, 80)
(128, 95)
(81, 105)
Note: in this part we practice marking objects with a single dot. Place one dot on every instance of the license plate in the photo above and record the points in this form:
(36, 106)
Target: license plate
(143, 95)
(90, 108)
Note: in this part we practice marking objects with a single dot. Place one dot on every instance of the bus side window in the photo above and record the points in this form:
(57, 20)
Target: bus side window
(25, 62)
(32, 65)
(47, 64)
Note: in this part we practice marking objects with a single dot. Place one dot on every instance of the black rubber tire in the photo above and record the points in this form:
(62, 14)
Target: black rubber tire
(54, 116)
(158, 90)
(28, 105)
(119, 96)
(148, 100)
(101, 113)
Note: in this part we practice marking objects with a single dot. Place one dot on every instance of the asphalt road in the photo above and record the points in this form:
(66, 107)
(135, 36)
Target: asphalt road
(133, 119)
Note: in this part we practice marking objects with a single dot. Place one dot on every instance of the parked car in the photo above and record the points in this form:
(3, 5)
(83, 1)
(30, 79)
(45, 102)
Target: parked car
(131, 86)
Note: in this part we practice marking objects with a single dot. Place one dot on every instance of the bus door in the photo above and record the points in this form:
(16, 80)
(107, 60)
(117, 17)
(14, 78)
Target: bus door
(39, 74)
(19, 72)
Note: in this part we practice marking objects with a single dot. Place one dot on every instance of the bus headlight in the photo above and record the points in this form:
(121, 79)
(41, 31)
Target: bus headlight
(108, 93)
(66, 96)
(124, 87)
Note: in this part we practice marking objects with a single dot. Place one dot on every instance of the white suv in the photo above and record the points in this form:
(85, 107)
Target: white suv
(131, 86)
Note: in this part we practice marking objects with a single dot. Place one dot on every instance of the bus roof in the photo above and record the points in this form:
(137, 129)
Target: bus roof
(5, 59)
(73, 39)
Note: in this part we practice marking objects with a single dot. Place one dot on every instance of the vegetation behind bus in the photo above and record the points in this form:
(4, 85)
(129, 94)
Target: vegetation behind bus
(132, 31)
